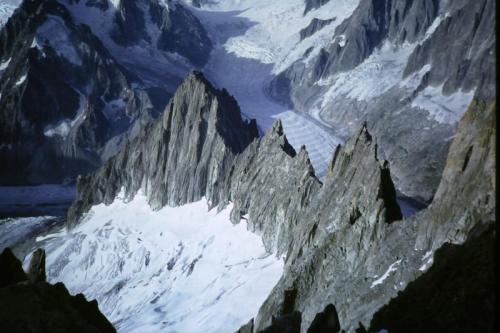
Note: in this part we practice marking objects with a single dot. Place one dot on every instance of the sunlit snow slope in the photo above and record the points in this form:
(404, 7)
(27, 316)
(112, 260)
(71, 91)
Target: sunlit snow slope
(183, 269)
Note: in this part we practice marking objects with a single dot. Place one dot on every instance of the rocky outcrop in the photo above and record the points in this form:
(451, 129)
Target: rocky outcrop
(313, 27)
(33, 305)
(343, 265)
(69, 99)
(314, 4)
(36, 270)
(181, 32)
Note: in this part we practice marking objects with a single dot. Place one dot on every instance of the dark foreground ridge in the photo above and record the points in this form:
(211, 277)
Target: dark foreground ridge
(30, 304)
(344, 241)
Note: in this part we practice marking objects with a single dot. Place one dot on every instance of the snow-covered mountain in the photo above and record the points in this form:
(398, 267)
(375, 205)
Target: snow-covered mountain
(261, 191)
(69, 94)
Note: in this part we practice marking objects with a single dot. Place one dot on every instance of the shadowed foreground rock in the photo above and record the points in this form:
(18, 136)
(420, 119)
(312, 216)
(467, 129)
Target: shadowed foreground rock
(455, 295)
(33, 305)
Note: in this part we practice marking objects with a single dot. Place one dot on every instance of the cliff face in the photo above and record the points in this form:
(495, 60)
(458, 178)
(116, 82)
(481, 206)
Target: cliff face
(344, 267)
(344, 240)
(184, 156)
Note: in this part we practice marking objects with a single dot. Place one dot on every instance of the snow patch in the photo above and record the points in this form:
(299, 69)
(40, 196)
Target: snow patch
(429, 259)
(21, 80)
(392, 268)
(182, 269)
(62, 128)
(441, 108)
(5, 64)
(372, 78)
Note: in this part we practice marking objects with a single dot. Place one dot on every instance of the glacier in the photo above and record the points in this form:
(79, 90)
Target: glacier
(178, 269)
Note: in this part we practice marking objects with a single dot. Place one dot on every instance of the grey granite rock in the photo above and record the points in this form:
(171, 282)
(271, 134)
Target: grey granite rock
(468, 37)
(184, 156)
(344, 241)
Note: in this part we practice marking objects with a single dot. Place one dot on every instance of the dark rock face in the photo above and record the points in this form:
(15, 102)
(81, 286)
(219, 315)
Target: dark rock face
(326, 321)
(313, 27)
(454, 295)
(289, 323)
(467, 31)
(10, 268)
(179, 30)
(63, 97)
(66, 102)
(130, 26)
(36, 306)
(314, 4)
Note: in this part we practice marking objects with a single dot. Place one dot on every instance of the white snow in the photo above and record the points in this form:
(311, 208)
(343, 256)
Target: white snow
(7, 7)
(183, 269)
(5, 64)
(372, 78)
(392, 268)
(342, 40)
(21, 80)
(271, 33)
(63, 127)
(441, 108)
(429, 259)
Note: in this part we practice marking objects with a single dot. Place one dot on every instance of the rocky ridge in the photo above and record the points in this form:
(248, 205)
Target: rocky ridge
(338, 237)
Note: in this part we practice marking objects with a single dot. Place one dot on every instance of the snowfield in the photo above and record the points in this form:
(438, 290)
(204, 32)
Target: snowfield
(183, 269)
